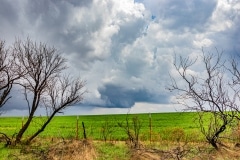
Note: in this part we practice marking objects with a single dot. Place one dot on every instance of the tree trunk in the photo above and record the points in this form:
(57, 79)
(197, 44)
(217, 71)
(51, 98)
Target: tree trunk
(41, 129)
(213, 140)
(84, 131)
(214, 144)
(23, 129)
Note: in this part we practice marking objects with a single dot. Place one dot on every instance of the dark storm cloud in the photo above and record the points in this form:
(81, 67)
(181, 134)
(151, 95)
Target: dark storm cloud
(7, 13)
(190, 14)
(123, 97)
(79, 3)
(135, 67)
(227, 20)
(124, 49)
(9, 19)
(178, 15)
(228, 41)
(133, 28)
(53, 22)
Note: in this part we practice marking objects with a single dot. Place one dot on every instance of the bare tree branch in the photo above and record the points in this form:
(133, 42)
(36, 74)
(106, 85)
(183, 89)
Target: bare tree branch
(63, 93)
(208, 94)
(43, 82)
(9, 73)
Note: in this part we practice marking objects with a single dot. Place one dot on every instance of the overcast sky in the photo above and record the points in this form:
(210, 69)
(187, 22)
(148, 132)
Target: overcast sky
(124, 49)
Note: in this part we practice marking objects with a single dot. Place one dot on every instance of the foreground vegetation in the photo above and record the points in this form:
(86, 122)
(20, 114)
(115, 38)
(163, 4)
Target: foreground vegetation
(169, 135)
(56, 149)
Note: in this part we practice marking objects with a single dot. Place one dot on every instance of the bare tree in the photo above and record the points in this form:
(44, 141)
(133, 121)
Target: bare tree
(44, 84)
(61, 93)
(210, 94)
(106, 130)
(9, 73)
(234, 69)
(132, 129)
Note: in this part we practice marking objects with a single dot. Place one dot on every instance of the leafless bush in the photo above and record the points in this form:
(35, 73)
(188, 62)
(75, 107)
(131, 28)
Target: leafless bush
(210, 94)
(106, 130)
(132, 129)
(4, 137)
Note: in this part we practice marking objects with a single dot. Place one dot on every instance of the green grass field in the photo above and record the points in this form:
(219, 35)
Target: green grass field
(168, 132)
(163, 125)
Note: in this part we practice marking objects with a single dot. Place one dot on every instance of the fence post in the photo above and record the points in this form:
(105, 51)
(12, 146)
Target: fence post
(77, 129)
(84, 131)
(150, 127)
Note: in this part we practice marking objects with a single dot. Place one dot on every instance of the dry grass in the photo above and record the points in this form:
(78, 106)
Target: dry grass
(72, 150)
(59, 149)
(180, 151)
(147, 154)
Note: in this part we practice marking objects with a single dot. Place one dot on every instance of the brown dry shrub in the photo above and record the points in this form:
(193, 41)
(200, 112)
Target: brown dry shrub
(191, 152)
(73, 150)
(173, 134)
(195, 136)
(236, 133)
(147, 154)
(177, 134)
(222, 154)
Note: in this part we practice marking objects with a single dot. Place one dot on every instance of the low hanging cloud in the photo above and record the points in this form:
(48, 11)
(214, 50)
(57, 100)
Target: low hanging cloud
(124, 49)
(120, 96)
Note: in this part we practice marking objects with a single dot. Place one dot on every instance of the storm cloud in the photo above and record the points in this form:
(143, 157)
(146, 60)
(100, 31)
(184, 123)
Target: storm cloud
(119, 96)
(123, 49)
